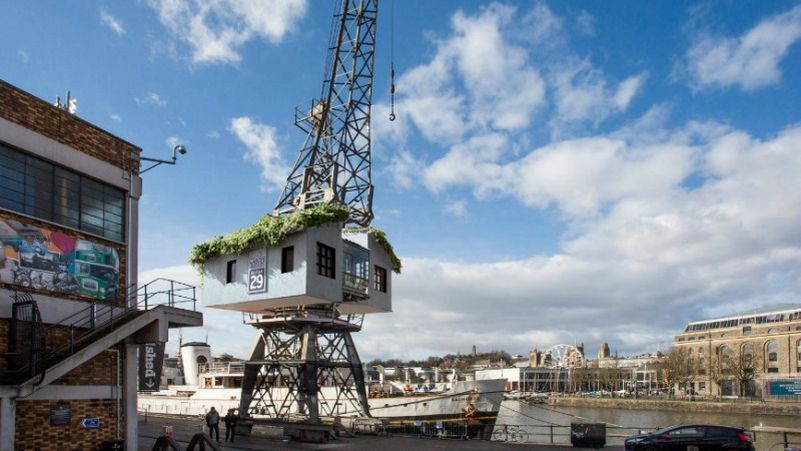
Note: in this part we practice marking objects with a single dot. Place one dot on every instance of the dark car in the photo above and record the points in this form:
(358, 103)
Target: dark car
(692, 437)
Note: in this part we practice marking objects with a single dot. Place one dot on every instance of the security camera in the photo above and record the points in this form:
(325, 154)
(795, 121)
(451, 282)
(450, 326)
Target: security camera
(180, 149)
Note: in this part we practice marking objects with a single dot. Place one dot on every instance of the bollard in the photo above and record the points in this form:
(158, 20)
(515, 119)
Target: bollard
(551, 434)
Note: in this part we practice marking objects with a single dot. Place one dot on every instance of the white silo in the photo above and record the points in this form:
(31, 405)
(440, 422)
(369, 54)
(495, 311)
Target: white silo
(193, 355)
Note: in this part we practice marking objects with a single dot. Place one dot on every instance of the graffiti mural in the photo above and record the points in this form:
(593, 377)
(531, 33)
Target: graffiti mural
(46, 259)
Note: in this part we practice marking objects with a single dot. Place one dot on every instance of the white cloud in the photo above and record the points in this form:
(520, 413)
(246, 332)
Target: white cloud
(581, 94)
(457, 208)
(503, 88)
(404, 169)
(262, 149)
(215, 30)
(24, 56)
(214, 134)
(586, 23)
(115, 117)
(151, 99)
(751, 60)
(657, 253)
(112, 22)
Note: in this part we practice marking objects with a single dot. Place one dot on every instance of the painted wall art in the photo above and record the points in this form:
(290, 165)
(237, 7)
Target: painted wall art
(50, 260)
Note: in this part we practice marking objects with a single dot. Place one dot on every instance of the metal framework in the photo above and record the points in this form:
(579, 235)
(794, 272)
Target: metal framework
(333, 165)
(564, 356)
(295, 357)
(302, 349)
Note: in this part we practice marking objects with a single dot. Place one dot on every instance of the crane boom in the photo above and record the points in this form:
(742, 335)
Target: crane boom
(334, 163)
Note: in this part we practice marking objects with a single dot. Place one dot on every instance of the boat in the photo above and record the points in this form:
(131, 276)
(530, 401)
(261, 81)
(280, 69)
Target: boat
(468, 408)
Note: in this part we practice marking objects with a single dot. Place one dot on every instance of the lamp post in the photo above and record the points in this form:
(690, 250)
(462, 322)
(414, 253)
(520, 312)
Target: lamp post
(179, 149)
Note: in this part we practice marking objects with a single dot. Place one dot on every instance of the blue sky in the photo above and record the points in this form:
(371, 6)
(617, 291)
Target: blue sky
(559, 171)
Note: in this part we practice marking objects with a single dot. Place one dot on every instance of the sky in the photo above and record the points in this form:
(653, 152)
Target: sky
(559, 172)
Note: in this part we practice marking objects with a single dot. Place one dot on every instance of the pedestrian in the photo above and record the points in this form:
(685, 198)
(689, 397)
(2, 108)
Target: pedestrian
(231, 418)
(213, 422)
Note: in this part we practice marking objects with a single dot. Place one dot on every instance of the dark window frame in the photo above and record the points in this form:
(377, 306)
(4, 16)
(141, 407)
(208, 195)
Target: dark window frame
(380, 277)
(230, 271)
(326, 261)
(287, 259)
(60, 195)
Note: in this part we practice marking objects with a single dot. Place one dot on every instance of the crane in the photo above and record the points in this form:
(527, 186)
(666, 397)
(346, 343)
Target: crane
(305, 324)
(333, 165)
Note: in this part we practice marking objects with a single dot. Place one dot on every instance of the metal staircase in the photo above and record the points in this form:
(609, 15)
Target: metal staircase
(55, 349)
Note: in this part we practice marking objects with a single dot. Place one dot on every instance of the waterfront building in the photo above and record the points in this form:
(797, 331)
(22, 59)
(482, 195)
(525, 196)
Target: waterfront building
(70, 327)
(738, 355)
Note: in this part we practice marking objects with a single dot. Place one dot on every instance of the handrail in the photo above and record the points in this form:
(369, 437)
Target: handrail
(98, 316)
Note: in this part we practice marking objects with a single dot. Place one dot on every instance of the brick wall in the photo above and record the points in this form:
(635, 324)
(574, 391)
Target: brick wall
(100, 370)
(34, 433)
(40, 116)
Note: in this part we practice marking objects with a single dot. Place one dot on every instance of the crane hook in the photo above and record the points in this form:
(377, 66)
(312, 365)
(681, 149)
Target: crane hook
(392, 94)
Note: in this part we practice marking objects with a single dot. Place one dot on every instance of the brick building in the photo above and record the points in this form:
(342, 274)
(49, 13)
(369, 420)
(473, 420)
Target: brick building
(762, 345)
(70, 323)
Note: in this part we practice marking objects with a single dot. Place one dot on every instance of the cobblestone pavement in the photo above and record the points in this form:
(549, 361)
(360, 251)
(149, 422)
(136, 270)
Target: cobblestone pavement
(271, 439)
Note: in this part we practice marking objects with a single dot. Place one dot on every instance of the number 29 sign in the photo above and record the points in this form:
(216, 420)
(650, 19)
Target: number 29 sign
(257, 271)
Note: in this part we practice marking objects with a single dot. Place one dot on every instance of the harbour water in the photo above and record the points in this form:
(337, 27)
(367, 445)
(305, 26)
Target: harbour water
(542, 423)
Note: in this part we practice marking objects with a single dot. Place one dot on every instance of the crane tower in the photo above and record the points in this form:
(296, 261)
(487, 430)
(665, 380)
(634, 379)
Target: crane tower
(308, 289)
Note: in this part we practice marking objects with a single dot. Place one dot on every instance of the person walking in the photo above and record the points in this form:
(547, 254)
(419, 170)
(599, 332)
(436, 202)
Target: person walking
(231, 418)
(213, 422)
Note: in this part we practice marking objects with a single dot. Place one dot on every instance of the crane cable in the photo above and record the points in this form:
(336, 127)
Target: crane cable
(392, 61)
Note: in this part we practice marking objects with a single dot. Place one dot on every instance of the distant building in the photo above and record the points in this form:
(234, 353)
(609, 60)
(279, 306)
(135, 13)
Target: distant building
(603, 351)
(768, 341)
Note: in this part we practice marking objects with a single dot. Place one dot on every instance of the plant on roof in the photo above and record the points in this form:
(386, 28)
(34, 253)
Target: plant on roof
(269, 230)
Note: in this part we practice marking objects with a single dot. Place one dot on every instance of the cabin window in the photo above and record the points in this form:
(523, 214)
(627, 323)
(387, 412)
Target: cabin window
(380, 279)
(288, 259)
(326, 261)
(230, 271)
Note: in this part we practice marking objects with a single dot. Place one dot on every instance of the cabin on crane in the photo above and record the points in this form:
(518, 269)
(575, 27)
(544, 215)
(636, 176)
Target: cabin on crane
(325, 264)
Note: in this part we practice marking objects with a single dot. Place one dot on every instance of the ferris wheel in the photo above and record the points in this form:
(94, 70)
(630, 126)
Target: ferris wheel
(563, 356)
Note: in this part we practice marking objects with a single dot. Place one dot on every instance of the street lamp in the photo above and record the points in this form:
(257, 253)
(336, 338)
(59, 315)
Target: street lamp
(179, 149)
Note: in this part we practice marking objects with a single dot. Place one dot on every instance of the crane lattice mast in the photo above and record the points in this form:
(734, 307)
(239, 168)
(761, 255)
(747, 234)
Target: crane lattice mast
(334, 165)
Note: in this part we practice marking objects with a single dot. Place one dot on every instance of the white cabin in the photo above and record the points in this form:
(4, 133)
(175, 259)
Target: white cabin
(318, 265)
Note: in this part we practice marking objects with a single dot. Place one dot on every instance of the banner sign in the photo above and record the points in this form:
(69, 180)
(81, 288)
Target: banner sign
(46, 259)
(151, 360)
(257, 271)
(784, 387)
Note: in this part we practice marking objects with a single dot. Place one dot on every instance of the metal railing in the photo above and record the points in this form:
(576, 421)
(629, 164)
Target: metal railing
(77, 329)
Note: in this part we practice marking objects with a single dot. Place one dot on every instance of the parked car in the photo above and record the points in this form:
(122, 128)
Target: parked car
(692, 437)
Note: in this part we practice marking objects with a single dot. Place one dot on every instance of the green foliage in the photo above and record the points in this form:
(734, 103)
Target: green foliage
(269, 230)
(382, 240)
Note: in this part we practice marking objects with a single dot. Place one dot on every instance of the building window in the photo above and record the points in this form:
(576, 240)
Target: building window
(230, 271)
(798, 349)
(40, 189)
(773, 370)
(380, 279)
(747, 330)
(772, 352)
(288, 259)
(326, 261)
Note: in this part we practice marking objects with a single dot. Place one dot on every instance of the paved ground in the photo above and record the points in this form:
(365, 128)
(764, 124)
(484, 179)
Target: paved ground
(270, 439)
